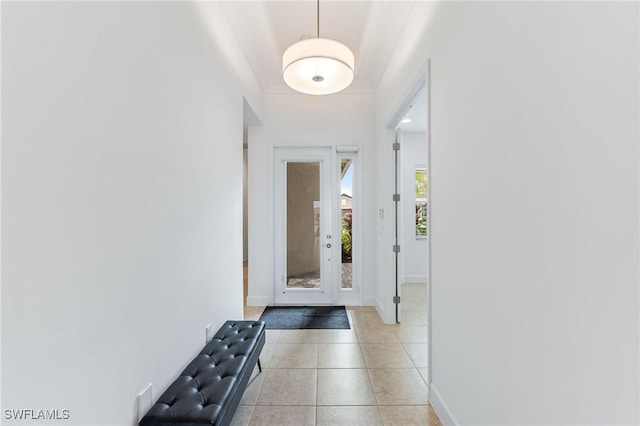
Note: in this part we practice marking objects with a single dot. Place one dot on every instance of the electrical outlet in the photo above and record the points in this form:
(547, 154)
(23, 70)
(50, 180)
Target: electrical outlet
(208, 334)
(145, 401)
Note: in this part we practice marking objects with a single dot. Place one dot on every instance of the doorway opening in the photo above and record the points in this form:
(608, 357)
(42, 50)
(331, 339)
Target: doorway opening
(317, 226)
(413, 211)
(304, 249)
(412, 199)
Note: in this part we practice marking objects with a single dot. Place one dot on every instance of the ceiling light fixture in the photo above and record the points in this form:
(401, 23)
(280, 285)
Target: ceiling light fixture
(318, 66)
(406, 120)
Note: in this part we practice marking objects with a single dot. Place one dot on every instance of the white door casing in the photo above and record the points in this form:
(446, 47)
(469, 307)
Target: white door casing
(326, 242)
(349, 296)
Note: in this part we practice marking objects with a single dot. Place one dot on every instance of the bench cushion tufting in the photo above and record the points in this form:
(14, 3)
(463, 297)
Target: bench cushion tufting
(209, 389)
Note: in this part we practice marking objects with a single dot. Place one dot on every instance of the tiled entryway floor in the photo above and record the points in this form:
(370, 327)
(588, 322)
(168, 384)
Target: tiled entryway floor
(372, 374)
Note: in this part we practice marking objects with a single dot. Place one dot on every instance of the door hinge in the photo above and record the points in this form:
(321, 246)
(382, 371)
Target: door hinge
(396, 146)
(396, 197)
(396, 299)
(396, 248)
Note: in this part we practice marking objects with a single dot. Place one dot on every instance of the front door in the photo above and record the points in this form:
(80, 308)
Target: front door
(304, 245)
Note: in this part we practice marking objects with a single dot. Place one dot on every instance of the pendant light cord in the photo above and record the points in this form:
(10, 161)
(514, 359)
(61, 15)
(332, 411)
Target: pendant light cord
(318, 18)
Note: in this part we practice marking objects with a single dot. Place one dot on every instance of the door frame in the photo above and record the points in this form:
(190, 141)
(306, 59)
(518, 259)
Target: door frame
(325, 295)
(354, 296)
(421, 81)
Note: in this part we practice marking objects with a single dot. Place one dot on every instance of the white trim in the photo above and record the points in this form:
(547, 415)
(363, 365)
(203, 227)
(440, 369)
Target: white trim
(421, 279)
(145, 401)
(344, 149)
(369, 301)
(353, 296)
(383, 315)
(440, 407)
(379, 308)
(282, 294)
(403, 108)
(421, 81)
(429, 231)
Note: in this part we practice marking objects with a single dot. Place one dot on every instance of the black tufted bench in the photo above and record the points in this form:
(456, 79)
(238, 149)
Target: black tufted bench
(209, 389)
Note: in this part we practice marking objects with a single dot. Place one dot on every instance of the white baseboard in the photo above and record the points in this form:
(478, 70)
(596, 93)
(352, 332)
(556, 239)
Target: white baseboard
(414, 279)
(381, 312)
(369, 301)
(257, 301)
(380, 309)
(441, 409)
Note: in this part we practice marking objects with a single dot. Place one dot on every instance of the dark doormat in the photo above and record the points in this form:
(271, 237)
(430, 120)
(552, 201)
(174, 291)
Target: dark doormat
(294, 317)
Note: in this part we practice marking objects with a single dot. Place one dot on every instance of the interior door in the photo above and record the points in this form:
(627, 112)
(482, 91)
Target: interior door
(304, 246)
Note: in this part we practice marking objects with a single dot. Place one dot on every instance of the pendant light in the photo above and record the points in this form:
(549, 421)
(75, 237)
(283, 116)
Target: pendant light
(318, 66)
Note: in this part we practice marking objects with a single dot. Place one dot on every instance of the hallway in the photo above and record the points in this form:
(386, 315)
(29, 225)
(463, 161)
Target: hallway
(372, 374)
(142, 141)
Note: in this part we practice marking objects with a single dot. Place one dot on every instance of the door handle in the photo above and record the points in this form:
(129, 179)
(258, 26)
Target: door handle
(328, 245)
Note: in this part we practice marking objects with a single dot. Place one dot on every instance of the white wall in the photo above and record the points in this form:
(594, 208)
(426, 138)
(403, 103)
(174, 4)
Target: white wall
(304, 120)
(245, 202)
(385, 258)
(413, 253)
(535, 294)
(121, 201)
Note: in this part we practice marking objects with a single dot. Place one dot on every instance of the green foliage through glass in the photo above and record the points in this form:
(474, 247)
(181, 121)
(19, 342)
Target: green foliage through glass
(422, 191)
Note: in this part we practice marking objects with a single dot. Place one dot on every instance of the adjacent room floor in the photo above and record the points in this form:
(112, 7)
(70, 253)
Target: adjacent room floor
(372, 374)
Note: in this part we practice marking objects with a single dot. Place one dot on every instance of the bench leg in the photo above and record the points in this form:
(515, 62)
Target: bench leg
(259, 365)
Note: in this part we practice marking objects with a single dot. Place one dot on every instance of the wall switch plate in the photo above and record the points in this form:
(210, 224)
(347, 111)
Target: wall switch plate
(208, 334)
(145, 401)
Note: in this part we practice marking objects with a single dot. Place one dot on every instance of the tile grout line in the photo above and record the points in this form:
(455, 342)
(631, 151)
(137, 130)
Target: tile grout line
(369, 376)
(354, 328)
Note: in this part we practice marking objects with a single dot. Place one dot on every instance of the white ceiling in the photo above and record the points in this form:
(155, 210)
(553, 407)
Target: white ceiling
(417, 113)
(265, 29)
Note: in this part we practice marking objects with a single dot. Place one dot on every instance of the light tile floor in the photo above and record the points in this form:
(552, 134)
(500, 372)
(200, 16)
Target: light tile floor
(372, 374)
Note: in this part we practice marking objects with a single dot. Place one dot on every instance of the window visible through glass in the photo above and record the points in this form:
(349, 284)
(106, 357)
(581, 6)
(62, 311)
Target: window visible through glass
(346, 219)
(422, 191)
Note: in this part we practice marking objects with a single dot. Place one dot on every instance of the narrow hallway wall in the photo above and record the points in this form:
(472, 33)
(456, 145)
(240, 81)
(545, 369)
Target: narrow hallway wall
(121, 202)
(534, 191)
